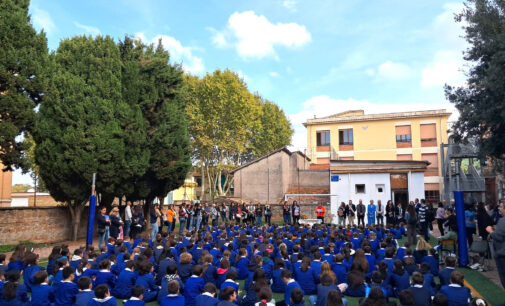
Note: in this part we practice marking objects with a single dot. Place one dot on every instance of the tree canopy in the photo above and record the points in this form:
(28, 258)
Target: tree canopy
(481, 102)
(23, 57)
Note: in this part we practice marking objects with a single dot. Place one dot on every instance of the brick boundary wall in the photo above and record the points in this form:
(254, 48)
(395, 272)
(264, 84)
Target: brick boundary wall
(38, 224)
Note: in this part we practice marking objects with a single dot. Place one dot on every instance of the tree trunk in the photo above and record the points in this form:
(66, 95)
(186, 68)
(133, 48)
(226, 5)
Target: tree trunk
(202, 192)
(75, 213)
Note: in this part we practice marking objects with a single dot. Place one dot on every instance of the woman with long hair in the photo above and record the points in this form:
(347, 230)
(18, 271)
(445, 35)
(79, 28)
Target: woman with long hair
(360, 263)
(411, 218)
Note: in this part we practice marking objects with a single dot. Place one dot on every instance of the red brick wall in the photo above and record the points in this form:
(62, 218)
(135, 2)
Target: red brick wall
(38, 224)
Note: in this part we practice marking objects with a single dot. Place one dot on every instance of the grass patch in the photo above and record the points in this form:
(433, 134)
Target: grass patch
(6, 248)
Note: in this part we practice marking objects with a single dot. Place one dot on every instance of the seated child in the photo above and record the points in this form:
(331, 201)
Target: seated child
(291, 284)
(296, 298)
(31, 261)
(146, 280)
(173, 298)
(66, 290)
(445, 274)
(170, 275)
(278, 285)
(231, 281)
(208, 297)
(194, 285)
(85, 293)
(422, 294)
(137, 297)
(456, 292)
(407, 298)
(340, 269)
(228, 295)
(265, 297)
(432, 261)
(3, 266)
(42, 293)
(125, 282)
(104, 276)
(356, 283)
(400, 279)
(14, 293)
(102, 297)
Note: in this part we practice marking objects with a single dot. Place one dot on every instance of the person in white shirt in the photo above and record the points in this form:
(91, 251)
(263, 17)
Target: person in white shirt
(127, 218)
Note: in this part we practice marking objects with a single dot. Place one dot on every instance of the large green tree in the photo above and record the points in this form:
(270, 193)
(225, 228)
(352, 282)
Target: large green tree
(481, 102)
(23, 58)
(154, 85)
(85, 127)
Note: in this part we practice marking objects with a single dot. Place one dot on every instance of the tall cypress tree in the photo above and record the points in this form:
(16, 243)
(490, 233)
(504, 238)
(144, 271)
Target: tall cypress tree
(23, 58)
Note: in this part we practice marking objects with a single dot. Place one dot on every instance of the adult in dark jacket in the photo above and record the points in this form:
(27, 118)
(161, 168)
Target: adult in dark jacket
(498, 236)
(390, 213)
(115, 222)
(483, 220)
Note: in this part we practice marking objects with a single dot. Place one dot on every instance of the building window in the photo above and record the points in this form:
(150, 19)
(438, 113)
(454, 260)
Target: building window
(428, 132)
(403, 133)
(432, 196)
(360, 188)
(380, 188)
(323, 138)
(345, 137)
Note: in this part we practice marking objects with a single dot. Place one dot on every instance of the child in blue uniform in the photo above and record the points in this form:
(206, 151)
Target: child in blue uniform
(146, 280)
(432, 261)
(422, 294)
(85, 293)
(125, 282)
(290, 285)
(307, 277)
(208, 297)
(42, 293)
(104, 276)
(194, 285)
(445, 274)
(229, 296)
(103, 297)
(66, 290)
(296, 297)
(456, 292)
(31, 261)
(278, 285)
(137, 297)
(242, 264)
(173, 298)
(400, 279)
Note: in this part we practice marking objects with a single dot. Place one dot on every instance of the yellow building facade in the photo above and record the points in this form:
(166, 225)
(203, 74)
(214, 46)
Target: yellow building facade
(353, 135)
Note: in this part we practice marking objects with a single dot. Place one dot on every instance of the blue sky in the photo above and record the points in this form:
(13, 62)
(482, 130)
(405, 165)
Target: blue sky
(313, 58)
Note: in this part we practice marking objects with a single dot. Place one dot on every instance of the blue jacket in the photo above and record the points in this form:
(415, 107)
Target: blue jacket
(162, 268)
(205, 300)
(42, 295)
(134, 303)
(400, 282)
(124, 285)
(422, 296)
(322, 293)
(433, 262)
(28, 276)
(289, 287)
(65, 293)
(164, 287)
(445, 276)
(278, 285)
(109, 301)
(184, 271)
(457, 296)
(308, 280)
(173, 300)
(210, 275)
(105, 277)
(229, 283)
(316, 266)
(242, 268)
(83, 297)
(340, 271)
(193, 288)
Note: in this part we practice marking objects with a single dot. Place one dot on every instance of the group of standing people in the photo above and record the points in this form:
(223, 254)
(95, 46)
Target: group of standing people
(374, 213)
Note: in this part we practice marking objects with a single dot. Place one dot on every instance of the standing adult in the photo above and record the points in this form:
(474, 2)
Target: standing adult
(183, 216)
(191, 217)
(470, 224)
(268, 213)
(170, 217)
(423, 220)
(440, 216)
(222, 212)
(199, 215)
(390, 213)
(250, 212)
(103, 224)
(320, 211)
(341, 214)
(127, 218)
(296, 210)
(154, 214)
(115, 223)
(137, 221)
(351, 208)
(361, 213)
(380, 213)
(258, 212)
(285, 213)
(399, 213)
(498, 236)
(371, 213)
(483, 220)
(411, 218)
(206, 210)
(214, 214)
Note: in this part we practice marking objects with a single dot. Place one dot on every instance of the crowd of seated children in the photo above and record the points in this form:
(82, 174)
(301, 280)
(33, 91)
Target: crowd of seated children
(321, 261)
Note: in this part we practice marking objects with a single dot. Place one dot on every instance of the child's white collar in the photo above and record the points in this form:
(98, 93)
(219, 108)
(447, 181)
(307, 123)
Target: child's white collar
(134, 298)
(230, 281)
(208, 294)
(455, 285)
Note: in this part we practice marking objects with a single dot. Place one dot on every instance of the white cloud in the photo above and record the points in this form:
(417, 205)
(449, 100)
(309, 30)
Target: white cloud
(178, 53)
(445, 68)
(255, 37)
(370, 72)
(447, 65)
(391, 71)
(243, 76)
(321, 106)
(290, 5)
(42, 20)
(274, 74)
(94, 31)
